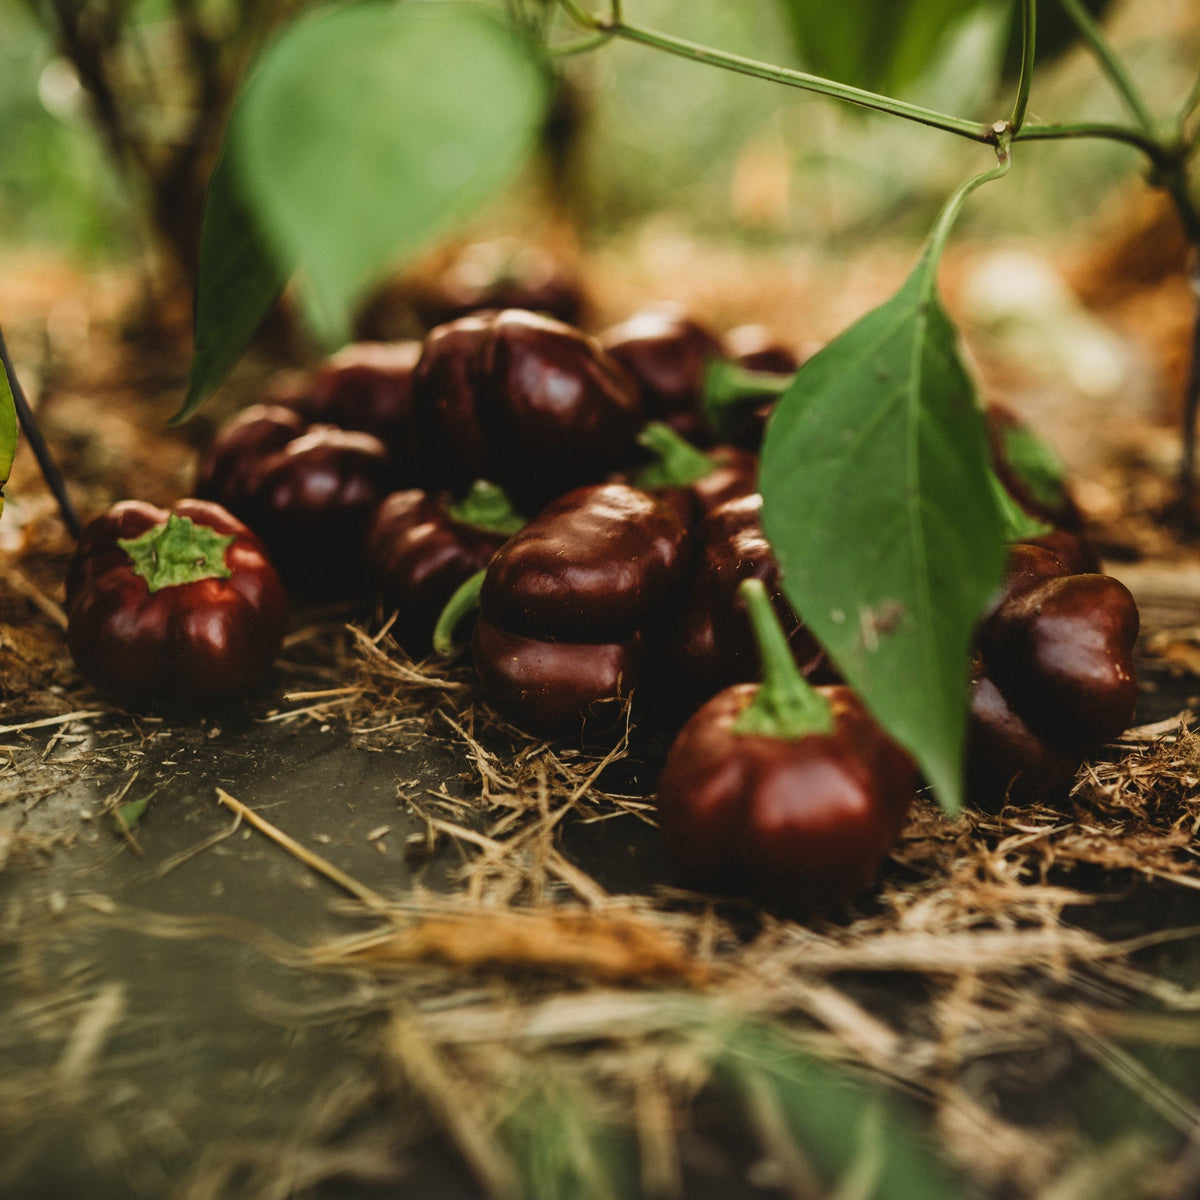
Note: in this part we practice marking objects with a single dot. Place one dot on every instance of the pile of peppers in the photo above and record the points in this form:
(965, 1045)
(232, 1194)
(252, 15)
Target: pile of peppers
(586, 504)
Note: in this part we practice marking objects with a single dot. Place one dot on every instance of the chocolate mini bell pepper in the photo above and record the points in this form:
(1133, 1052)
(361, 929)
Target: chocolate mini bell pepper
(780, 792)
(367, 386)
(567, 604)
(422, 547)
(1053, 677)
(711, 644)
(307, 491)
(667, 354)
(231, 460)
(179, 608)
(525, 401)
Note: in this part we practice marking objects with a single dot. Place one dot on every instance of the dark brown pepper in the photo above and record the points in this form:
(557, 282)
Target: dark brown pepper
(668, 354)
(794, 823)
(1061, 653)
(567, 603)
(524, 401)
(419, 554)
(596, 565)
(196, 623)
(711, 645)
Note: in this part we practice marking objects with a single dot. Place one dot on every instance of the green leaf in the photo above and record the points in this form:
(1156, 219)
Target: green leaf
(1035, 464)
(853, 1138)
(365, 130)
(240, 277)
(8, 431)
(127, 815)
(881, 45)
(877, 502)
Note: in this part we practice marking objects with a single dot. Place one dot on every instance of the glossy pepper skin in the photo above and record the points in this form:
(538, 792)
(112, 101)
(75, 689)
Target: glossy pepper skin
(711, 645)
(668, 354)
(793, 823)
(567, 603)
(186, 644)
(229, 463)
(1053, 678)
(367, 387)
(307, 491)
(420, 552)
(525, 401)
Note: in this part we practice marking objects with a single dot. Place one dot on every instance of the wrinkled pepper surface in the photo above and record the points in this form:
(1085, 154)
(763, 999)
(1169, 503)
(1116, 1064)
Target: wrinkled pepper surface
(569, 602)
(307, 491)
(522, 400)
(421, 547)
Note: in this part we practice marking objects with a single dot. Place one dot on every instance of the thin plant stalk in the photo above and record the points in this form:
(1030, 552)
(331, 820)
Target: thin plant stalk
(37, 443)
(1025, 79)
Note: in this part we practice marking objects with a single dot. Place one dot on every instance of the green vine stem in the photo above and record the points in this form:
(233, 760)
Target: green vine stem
(1025, 78)
(1110, 63)
(614, 26)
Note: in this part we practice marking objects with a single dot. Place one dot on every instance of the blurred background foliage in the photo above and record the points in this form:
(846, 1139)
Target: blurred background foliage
(111, 112)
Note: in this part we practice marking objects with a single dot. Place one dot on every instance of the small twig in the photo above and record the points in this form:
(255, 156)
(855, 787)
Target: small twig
(314, 861)
(46, 722)
(27, 588)
(183, 856)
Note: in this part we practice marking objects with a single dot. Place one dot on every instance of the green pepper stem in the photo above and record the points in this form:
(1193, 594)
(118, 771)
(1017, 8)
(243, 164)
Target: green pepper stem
(487, 507)
(730, 389)
(786, 705)
(677, 462)
(464, 601)
(178, 552)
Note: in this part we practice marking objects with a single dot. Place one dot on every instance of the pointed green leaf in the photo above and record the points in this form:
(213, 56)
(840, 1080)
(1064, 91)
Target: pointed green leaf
(8, 431)
(240, 277)
(367, 129)
(878, 503)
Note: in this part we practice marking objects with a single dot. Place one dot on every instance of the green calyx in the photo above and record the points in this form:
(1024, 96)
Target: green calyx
(786, 705)
(731, 390)
(487, 507)
(178, 552)
(677, 463)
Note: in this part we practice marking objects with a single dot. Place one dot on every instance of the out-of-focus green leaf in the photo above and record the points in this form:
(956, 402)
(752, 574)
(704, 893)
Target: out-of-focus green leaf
(878, 503)
(854, 1140)
(880, 45)
(1056, 33)
(367, 129)
(240, 277)
(8, 432)
(563, 1147)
